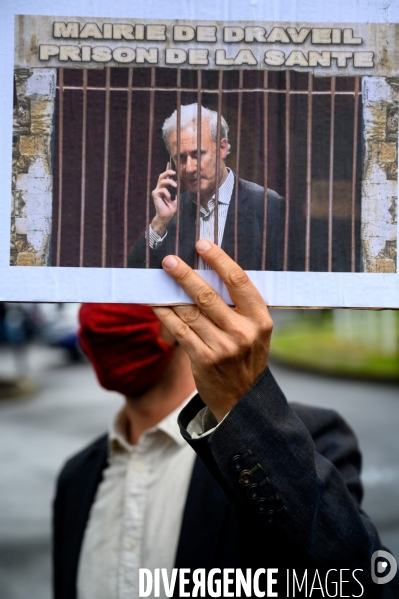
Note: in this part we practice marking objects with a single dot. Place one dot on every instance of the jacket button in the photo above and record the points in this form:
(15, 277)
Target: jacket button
(261, 505)
(253, 491)
(270, 516)
(236, 463)
(245, 478)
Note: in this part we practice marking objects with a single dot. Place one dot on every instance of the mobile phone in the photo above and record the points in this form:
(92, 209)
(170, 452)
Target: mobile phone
(172, 190)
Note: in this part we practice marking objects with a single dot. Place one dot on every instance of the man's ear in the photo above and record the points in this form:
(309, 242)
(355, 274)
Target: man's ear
(224, 148)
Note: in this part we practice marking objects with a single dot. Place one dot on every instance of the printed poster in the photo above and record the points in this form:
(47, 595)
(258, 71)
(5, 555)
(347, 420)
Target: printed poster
(133, 138)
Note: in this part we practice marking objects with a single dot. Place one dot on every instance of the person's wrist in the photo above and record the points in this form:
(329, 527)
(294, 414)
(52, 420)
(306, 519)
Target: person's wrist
(159, 225)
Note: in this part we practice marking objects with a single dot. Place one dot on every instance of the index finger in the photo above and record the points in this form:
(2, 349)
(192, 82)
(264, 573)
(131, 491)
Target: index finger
(168, 173)
(203, 295)
(169, 168)
(242, 291)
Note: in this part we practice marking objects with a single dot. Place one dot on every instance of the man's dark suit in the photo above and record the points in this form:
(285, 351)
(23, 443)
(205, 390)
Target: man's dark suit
(250, 231)
(301, 510)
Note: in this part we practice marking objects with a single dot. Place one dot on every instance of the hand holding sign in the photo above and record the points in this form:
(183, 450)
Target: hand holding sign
(228, 348)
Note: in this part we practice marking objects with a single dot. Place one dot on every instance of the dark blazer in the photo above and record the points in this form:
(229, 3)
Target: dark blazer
(250, 231)
(300, 510)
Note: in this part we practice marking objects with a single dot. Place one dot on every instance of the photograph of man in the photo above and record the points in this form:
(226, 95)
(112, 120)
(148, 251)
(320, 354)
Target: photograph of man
(249, 481)
(201, 172)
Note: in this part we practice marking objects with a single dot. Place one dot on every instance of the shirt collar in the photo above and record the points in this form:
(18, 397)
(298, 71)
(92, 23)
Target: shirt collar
(226, 188)
(225, 193)
(117, 440)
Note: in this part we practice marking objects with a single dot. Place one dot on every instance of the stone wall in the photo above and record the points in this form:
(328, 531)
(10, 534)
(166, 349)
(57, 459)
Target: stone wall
(32, 181)
(380, 174)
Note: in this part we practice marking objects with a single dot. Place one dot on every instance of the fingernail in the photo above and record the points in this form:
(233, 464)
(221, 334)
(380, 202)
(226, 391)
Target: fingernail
(169, 262)
(203, 245)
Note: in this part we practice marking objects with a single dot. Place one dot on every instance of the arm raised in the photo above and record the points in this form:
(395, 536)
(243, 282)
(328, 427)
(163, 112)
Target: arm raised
(228, 347)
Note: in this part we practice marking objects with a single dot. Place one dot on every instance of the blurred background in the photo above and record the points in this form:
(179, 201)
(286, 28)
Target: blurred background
(51, 406)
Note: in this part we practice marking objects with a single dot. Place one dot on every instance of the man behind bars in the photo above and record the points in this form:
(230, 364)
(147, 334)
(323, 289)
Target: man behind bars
(250, 234)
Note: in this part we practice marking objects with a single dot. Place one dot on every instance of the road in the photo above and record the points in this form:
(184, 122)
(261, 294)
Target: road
(70, 409)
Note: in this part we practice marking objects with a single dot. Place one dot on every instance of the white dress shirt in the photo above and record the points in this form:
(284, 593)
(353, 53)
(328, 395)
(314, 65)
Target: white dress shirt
(136, 517)
(207, 219)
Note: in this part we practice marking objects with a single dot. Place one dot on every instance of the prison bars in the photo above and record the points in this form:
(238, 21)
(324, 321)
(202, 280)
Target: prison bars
(152, 89)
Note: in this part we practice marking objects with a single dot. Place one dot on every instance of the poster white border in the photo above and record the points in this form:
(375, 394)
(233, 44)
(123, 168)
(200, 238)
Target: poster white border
(300, 289)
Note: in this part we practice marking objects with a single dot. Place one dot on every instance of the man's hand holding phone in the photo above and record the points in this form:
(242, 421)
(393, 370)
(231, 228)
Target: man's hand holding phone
(164, 196)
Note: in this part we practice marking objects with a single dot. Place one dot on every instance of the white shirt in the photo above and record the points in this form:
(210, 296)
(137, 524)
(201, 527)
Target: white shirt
(207, 219)
(136, 517)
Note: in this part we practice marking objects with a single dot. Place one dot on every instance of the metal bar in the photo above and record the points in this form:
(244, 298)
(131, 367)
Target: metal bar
(239, 119)
(60, 159)
(178, 132)
(149, 165)
(287, 167)
(218, 128)
(127, 165)
(199, 125)
(308, 172)
(265, 164)
(356, 93)
(292, 92)
(354, 173)
(331, 175)
(106, 157)
(83, 180)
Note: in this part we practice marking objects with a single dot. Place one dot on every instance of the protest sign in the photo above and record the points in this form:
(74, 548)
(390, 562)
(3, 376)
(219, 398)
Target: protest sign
(297, 120)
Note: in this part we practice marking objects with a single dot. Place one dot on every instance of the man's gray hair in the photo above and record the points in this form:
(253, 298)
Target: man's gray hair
(188, 118)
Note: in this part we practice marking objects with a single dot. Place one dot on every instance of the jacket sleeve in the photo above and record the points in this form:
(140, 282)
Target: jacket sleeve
(137, 256)
(264, 458)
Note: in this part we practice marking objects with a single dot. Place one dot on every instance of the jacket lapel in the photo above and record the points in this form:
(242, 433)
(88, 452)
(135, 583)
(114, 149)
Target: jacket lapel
(228, 235)
(90, 480)
(205, 513)
(188, 214)
(77, 505)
